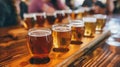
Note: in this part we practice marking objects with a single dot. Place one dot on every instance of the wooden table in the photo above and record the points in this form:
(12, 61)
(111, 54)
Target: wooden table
(58, 59)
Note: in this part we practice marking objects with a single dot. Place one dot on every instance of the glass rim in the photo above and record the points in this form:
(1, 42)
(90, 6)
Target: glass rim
(100, 16)
(61, 25)
(77, 23)
(38, 29)
(89, 19)
(29, 15)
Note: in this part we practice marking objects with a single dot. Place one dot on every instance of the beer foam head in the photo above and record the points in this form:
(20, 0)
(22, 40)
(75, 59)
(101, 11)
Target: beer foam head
(29, 15)
(77, 23)
(51, 14)
(100, 16)
(89, 19)
(67, 11)
(61, 27)
(39, 33)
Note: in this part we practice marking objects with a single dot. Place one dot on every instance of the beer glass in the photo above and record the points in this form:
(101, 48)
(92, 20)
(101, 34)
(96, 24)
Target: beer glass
(29, 20)
(101, 19)
(61, 37)
(67, 13)
(51, 17)
(40, 18)
(60, 16)
(77, 31)
(39, 43)
(74, 14)
(86, 11)
(90, 25)
(80, 14)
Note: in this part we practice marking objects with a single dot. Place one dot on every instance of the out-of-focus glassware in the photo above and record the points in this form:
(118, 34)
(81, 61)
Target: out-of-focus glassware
(60, 16)
(90, 25)
(40, 18)
(51, 18)
(101, 20)
(114, 27)
(77, 31)
(29, 20)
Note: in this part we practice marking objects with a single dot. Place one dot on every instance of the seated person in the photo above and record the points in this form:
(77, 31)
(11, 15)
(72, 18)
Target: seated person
(8, 14)
(113, 6)
(10, 11)
(97, 6)
(48, 6)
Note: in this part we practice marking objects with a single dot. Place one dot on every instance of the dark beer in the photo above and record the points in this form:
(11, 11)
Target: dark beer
(60, 16)
(29, 21)
(40, 18)
(51, 18)
(39, 42)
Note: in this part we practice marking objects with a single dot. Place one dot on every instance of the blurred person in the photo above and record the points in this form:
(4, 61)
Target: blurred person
(9, 13)
(113, 6)
(97, 6)
(74, 4)
(48, 6)
(87, 3)
(21, 8)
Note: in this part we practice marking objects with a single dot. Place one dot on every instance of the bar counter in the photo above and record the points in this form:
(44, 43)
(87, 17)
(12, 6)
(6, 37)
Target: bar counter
(93, 52)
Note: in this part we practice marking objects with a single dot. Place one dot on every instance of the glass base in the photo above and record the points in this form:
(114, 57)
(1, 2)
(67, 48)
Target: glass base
(76, 42)
(37, 60)
(60, 49)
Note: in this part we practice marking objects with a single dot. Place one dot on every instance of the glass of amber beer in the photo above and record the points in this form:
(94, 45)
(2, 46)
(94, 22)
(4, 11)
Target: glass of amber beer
(40, 18)
(90, 25)
(77, 31)
(61, 37)
(29, 20)
(39, 43)
(101, 19)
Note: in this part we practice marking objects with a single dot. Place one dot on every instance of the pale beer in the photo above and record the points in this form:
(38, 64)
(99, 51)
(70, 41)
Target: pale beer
(90, 25)
(61, 36)
(101, 19)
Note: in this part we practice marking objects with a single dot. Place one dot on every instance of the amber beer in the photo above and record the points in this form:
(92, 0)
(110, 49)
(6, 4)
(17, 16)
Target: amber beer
(90, 25)
(74, 14)
(51, 17)
(39, 42)
(80, 14)
(40, 18)
(29, 21)
(101, 19)
(77, 30)
(61, 36)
